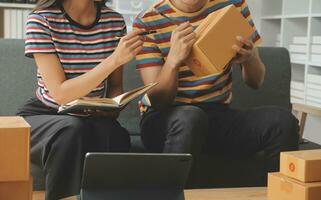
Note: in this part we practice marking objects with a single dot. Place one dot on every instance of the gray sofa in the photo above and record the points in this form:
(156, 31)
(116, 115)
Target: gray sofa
(17, 84)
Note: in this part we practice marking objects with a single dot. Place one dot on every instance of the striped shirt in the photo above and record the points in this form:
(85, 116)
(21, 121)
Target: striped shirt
(191, 89)
(79, 48)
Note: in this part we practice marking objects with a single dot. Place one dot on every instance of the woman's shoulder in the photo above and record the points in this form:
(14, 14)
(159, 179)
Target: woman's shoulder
(46, 14)
(110, 13)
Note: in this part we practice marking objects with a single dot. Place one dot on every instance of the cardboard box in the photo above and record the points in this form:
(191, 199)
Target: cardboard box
(298, 57)
(300, 40)
(16, 190)
(304, 166)
(314, 104)
(314, 78)
(297, 93)
(215, 37)
(298, 48)
(297, 85)
(14, 149)
(316, 39)
(281, 187)
(316, 49)
(314, 100)
(316, 58)
(297, 100)
(314, 92)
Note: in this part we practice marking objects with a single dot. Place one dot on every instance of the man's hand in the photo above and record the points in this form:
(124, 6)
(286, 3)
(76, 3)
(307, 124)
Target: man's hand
(253, 69)
(182, 40)
(245, 51)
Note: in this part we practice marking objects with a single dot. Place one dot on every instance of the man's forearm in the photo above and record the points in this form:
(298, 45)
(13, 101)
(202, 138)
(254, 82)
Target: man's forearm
(164, 93)
(254, 71)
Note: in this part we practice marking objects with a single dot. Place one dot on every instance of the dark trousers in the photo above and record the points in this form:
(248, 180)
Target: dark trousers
(218, 129)
(59, 143)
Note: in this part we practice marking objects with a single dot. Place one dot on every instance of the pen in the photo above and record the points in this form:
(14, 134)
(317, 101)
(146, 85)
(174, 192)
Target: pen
(166, 17)
(142, 34)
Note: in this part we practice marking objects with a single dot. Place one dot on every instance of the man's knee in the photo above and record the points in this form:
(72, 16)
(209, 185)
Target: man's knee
(286, 122)
(187, 131)
(190, 118)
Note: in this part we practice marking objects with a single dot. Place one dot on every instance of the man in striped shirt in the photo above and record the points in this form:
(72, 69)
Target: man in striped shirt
(184, 111)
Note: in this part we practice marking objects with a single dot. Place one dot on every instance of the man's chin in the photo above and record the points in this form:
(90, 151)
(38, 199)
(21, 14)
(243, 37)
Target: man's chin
(191, 2)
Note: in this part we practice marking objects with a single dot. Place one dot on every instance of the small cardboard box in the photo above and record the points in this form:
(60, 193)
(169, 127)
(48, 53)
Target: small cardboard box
(215, 37)
(281, 187)
(304, 166)
(16, 190)
(14, 149)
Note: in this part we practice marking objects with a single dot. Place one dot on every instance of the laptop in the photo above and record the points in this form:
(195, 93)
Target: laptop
(128, 176)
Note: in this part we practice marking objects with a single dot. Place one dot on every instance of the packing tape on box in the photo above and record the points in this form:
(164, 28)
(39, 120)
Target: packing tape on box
(286, 186)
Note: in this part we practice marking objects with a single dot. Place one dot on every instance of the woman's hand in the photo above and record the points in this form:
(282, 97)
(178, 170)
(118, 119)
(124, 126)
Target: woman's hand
(128, 47)
(245, 51)
(182, 41)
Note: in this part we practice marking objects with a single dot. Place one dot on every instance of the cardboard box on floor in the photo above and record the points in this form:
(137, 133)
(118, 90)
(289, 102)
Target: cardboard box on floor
(304, 166)
(14, 149)
(216, 35)
(16, 190)
(281, 187)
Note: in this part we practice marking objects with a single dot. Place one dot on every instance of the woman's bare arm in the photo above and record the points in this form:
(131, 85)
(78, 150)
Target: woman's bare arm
(64, 91)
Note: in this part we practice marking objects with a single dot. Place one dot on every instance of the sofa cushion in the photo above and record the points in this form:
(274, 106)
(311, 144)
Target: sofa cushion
(130, 117)
(276, 88)
(17, 77)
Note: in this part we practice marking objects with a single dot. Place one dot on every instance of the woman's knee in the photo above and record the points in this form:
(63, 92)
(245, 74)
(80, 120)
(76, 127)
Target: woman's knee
(70, 135)
(74, 128)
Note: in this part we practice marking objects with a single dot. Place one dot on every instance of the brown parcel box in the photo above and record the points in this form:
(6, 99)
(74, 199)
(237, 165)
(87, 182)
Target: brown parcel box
(14, 149)
(304, 166)
(16, 190)
(215, 37)
(281, 187)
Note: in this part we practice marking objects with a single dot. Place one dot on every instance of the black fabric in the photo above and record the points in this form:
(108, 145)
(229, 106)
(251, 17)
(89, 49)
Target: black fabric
(60, 142)
(220, 130)
(34, 106)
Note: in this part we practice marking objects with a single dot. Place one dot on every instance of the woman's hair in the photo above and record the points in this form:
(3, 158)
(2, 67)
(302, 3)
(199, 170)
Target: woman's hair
(44, 4)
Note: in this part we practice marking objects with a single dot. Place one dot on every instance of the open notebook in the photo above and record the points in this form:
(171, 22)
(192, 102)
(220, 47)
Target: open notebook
(103, 104)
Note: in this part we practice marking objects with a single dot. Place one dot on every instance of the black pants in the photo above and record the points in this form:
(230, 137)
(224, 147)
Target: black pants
(59, 143)
(218, 129)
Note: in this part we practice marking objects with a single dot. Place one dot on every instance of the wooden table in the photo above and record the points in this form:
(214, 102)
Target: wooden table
(208, 194)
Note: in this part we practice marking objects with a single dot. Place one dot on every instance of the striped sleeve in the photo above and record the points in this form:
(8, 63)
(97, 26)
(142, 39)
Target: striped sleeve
(124, 30)
(150, 55)
(256, 38)
(38, 36)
